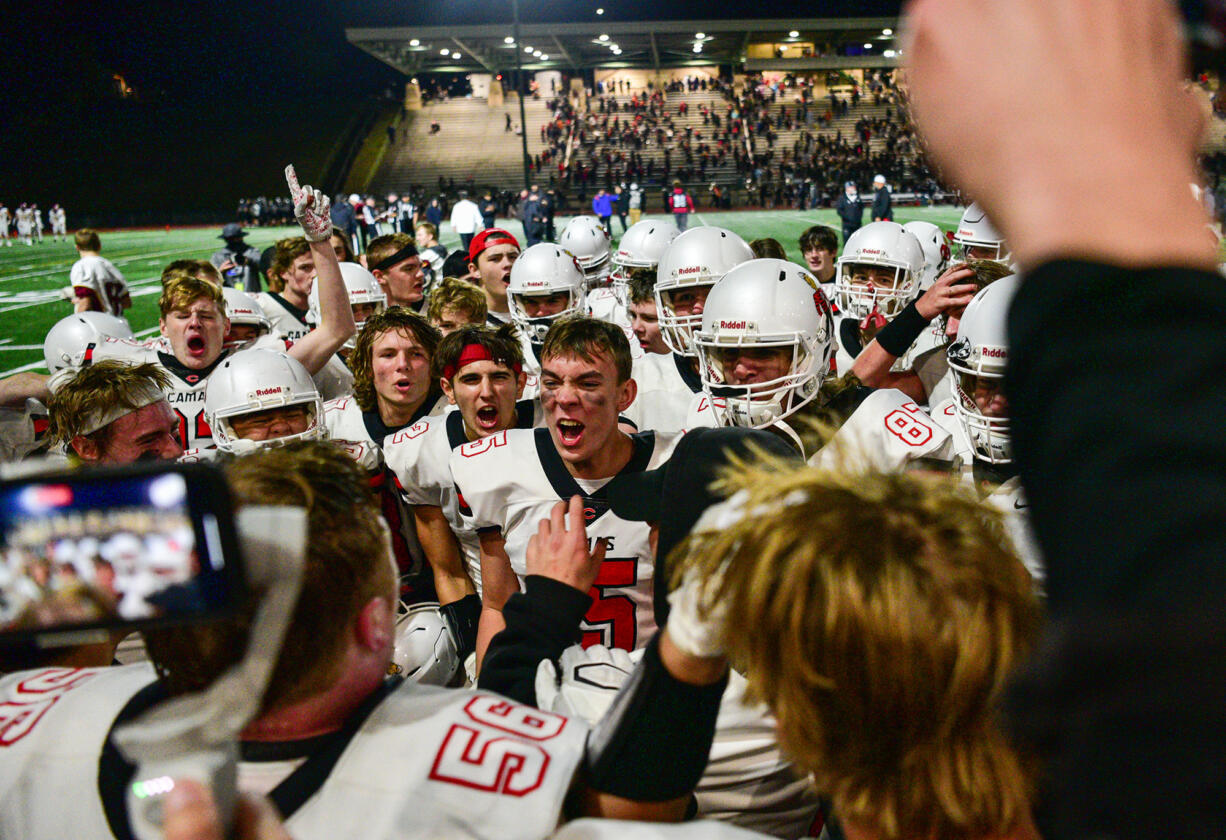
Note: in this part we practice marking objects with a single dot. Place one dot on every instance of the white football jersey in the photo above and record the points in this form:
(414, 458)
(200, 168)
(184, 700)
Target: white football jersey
(186, 392)
(334, 379)
(416, 761)
(666, 387)
(510, 481)
(288, 319)
(932, 367)
(420, 458)
(22, 430)
(703, 411)
(99, 277)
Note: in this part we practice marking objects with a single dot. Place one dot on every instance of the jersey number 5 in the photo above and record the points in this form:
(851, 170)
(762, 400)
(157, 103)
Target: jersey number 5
(611, 620)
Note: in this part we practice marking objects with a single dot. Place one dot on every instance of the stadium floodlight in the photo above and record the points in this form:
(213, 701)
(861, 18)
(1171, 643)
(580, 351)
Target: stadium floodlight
(544, 56)
(414, 43)
(793, 34)
(700, 35)
(698, 48)
(508, 40)
(603, 37)
(868, 46)
(445, 51)
(527, 49)
(887, 32)
(889, 54)
(616, 47)
(600, 11)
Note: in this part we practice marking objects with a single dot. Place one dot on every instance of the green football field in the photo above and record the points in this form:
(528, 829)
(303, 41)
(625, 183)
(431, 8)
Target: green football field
(31, 276)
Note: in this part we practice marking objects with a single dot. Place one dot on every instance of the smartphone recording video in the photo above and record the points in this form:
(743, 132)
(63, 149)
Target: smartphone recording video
(123, 548)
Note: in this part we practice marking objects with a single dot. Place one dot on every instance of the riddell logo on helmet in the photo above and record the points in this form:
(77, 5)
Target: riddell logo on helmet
(871, 251)
(994, 352)
(264, 392)
(732, 325)
(690, 269)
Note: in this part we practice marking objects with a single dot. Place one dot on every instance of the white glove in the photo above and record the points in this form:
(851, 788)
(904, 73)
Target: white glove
(311, 207)
(697, 632)
(589, 681)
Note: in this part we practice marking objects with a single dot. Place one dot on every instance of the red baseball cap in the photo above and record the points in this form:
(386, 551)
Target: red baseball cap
(488, 238)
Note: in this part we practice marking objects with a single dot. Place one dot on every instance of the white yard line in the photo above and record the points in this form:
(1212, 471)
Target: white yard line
(138, 288)
(144, 256)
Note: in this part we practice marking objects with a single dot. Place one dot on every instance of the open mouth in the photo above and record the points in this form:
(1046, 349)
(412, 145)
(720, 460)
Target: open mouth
(571, 431)
(195, 345)
(404, 385)
(487, 416)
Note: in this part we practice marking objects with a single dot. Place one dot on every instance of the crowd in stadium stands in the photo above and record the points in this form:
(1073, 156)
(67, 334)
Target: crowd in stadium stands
(662, 526)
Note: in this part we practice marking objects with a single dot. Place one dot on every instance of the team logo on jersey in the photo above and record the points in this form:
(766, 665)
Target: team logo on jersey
(192, 378)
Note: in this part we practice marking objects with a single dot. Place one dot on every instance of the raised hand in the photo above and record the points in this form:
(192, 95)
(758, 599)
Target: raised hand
(311, 207)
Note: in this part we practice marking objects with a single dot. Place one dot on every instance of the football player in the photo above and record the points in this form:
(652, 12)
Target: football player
(587, 239)
(764, 350)
(936, 250)
(546, 284)
(247, 320)
(59, 222)
(290, 281)
(115, 413)
(366, 298)
(392, 390)
(490, 256)
(937, 312)
(4, 225)
(481, 373)
(261, 397)
(193, 322)
(978, 239)
(688, 268)
(878, 274)
(454, 304)
(638, 251)
(474, 763)
(97, 285)
(644, 317)
(396, 265)
(507, 482)
(819, 245)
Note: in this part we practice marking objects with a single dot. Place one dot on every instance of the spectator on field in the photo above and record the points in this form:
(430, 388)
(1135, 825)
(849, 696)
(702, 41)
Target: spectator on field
(681, 205)
(466, 219)
(882, 209)
(489, 210)
(238, 262)
(602, 206)
(850, 209)
(344, 219)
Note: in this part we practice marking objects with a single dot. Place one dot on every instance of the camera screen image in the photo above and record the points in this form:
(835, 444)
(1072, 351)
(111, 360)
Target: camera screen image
(125, 549)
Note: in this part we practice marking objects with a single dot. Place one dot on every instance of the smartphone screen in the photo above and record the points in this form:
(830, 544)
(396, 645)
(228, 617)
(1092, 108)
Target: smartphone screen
(118, 549)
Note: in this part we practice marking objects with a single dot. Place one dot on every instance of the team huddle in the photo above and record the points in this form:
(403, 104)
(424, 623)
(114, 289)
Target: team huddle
(28, 224)
(475, 409)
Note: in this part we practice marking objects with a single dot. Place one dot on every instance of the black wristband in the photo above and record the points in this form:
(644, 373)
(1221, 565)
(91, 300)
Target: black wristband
(462, 616)
(897, 336)
(653, 743)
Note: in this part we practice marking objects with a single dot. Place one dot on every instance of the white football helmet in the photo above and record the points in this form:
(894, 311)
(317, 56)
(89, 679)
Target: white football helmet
(258, 379)
(880, 245)
(936, 250)
(975, 230)
(586, 238)
(242, 310)
(70, 336)
(698, 257)
(765, 304)
(545, 269)
(978, 360)
(641, 247)
(362, 287)
(425, 649)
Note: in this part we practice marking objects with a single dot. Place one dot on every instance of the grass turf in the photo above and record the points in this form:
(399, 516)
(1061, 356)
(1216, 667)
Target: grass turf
(30, 277)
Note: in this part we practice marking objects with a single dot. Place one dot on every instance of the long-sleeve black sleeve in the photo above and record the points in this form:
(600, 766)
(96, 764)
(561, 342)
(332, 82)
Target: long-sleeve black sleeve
(542, 621)
(1117, 384)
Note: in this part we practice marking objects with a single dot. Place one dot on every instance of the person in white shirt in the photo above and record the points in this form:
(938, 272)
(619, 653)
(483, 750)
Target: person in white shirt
(466, 219)
(97, 285)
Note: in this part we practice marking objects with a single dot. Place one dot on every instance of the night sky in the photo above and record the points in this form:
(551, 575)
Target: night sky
(217, 86)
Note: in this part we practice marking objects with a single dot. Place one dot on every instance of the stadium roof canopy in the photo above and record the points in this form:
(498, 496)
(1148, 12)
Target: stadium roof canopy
(755, 44)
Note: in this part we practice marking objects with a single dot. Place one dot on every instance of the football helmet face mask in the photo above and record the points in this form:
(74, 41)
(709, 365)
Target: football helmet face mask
(587, 239)
(542, 270)
(764, 305)
(366, 297)
(258, 379)
(978, 360)
(425, 649)
(243, 311)
(640, 249)
(70, 336)
(695, 259)
(888, 253)
(936, 251)
(976, 231)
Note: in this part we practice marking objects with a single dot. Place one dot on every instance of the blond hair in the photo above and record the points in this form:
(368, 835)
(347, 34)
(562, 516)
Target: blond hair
(879, 617)
(180, 291)
(92, 391)
(458, 296)
(200, 269)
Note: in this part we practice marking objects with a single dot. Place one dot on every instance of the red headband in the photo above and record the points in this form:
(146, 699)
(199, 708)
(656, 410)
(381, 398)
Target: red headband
(475, 353)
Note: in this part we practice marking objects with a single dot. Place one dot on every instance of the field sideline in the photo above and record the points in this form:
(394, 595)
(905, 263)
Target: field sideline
(30, 277)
